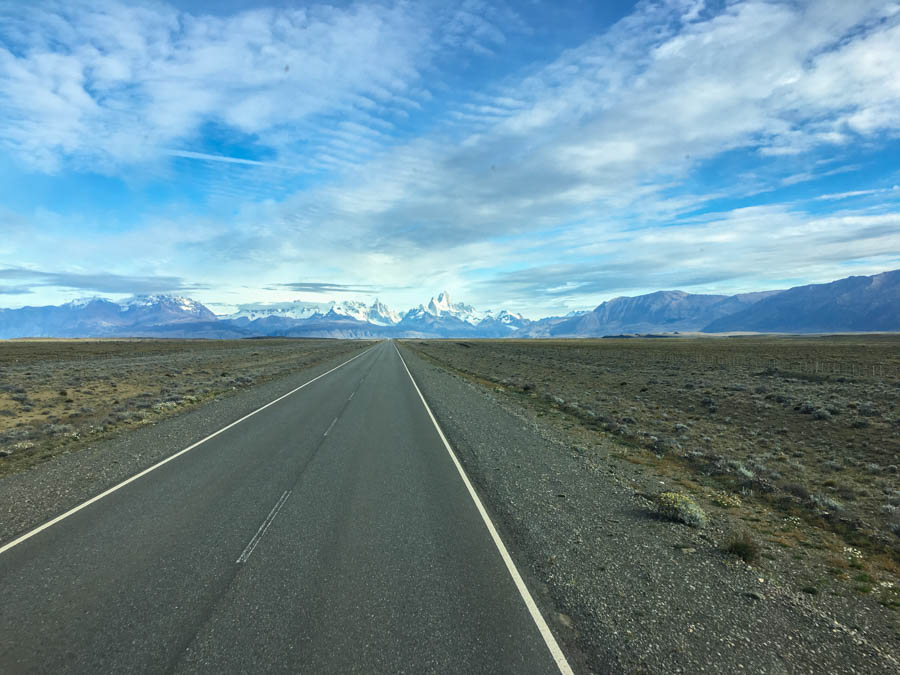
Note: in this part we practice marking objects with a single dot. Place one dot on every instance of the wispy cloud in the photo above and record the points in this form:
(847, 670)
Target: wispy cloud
(322, 287)
(187, 154)
(14, 290)
(113, 82)
(95, 282)
(623, 120)
(741, 250)
(859, 193)
(351, 143)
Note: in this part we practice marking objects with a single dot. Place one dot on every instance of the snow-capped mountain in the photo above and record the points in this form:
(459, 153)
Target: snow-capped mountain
(444, 306)
(853, 304)
(98, 317)
(160, 309)
(382, 315)
(284, 310)
(377, 313)
(508, 322)
(166, 315)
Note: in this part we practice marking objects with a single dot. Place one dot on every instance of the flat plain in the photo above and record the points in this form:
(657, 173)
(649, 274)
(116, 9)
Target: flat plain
(791, 443)
(57, 395)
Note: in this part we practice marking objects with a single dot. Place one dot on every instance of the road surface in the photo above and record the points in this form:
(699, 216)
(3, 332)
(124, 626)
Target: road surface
(330, 531)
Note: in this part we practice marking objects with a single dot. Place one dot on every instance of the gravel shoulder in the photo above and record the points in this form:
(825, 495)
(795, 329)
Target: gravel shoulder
(36, 495)
(625, 590)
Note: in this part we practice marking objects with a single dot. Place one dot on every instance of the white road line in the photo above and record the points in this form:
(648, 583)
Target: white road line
(49, 523)
(542, 626)
(330, 426)
(262, 528)
(351, 395)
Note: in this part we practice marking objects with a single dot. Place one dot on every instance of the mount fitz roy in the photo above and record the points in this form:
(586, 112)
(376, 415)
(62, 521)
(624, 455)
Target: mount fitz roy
(853, 304)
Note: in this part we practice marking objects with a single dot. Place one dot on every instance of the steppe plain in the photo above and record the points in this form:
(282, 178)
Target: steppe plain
(789, 444)
(58, 395)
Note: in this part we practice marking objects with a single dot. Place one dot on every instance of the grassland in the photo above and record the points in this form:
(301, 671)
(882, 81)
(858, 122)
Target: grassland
(794, 442)
(56, 395)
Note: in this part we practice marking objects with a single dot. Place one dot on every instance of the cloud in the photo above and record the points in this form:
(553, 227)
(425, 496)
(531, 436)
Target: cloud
(112, 82)
(554, 182)
(96, 282)
(187, 154)
(858, 193)
(740, 250)
(622, 124)
(14, 290)
(106, 83)
(321, 287)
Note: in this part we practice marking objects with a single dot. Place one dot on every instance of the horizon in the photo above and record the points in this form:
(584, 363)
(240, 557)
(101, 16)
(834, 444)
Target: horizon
(540, 158)
(399, 311)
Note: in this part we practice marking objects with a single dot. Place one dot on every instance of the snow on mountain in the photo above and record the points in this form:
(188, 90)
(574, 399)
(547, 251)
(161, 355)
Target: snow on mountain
(296, 309)
(502, 323)
(166, 308)
(378, 313)
(444, 306)
(352, 309)
(852, 304)
(504, 317)
(96, 317)
(381, 315)
(84, 302)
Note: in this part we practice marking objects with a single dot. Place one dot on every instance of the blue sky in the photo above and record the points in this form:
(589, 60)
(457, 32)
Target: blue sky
(533, 156)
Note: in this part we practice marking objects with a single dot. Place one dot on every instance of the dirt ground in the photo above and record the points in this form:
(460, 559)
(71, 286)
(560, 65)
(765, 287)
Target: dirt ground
(56, 395)
(793, 441)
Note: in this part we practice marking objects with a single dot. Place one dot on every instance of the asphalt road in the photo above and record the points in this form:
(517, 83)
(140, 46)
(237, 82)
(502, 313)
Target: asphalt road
(329, 532)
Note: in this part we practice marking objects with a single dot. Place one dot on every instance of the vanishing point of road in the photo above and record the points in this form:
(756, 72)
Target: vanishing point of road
(331, 531)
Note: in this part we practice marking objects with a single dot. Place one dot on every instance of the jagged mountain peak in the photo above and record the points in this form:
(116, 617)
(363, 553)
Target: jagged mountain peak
(440, 305)
(178, 302)
(851, 304)
(443, 305)
(381, 314)
(84, 302)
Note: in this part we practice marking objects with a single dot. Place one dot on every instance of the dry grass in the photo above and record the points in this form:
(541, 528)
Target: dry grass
(58, 394)
(744, 546)
(802, 428)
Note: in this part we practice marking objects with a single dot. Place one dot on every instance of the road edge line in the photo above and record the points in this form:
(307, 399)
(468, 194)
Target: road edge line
(536, 615)
(114, 488)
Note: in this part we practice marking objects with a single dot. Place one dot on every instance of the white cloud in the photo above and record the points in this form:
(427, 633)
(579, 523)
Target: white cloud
(115, 82)
(601, 144)
(742, 250)
(625, 118)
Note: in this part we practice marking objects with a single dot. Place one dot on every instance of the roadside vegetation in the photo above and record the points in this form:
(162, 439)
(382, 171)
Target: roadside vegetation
(790, 443)
(57, 395)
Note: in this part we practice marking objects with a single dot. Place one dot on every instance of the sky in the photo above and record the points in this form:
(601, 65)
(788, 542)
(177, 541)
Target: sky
(539, 157)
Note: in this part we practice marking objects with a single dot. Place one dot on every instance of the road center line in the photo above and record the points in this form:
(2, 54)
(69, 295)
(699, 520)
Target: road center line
(542, 626)
(49, 523)
(331, 426)
(262, 528)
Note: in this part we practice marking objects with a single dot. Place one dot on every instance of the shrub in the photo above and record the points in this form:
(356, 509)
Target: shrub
(680, 508)
(798, 490)
(743, 546)
(726, 500)
(827, 503)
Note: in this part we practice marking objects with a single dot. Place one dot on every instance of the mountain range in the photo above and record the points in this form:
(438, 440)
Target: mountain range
(863, 303)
